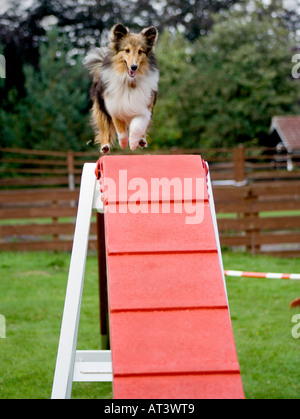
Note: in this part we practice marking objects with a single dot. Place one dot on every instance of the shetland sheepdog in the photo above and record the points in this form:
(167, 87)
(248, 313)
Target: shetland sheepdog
(125, 86)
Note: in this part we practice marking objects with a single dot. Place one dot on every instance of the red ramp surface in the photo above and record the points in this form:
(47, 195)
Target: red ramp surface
(171, 334)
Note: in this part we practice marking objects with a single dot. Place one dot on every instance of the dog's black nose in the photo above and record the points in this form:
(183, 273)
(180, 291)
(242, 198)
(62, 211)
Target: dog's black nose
(134, 67)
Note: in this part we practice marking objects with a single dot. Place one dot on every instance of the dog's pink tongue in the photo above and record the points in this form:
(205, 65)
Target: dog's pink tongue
(132, 73)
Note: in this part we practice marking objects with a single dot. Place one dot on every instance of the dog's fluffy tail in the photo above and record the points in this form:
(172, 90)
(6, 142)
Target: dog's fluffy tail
(94, 61)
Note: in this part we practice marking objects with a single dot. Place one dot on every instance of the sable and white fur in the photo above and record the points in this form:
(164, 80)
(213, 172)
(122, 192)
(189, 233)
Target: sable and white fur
(125, 85)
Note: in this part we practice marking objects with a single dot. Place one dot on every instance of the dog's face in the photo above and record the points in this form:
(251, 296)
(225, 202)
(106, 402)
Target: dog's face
(132, 50)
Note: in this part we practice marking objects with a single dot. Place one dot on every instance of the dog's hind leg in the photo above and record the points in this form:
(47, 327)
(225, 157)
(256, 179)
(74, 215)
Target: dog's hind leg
(104, 129)
(121, 129)
(107, 138)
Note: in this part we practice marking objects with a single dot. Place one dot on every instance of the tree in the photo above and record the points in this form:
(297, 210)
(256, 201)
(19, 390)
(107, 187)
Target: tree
(225, 88)
(84, 23)
(21, 31)
(173, 52)
(220, 89)
(244, 69)
(5, 120)
(193, 18)
(54, 113)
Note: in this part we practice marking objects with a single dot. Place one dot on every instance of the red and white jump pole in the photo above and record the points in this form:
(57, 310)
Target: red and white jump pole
(265, 275)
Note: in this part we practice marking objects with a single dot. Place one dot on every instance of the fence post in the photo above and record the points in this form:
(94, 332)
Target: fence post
(71, 170)
(71, 174)
(251, 215)
(55, 220)
(239, 163)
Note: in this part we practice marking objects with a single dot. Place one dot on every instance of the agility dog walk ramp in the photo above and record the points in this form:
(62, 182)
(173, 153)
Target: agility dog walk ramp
(170, 329)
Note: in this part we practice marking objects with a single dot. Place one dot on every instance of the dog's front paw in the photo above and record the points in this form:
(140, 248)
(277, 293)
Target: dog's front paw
(143, 143)
(133, 144)
(123, 141)
(105, 149)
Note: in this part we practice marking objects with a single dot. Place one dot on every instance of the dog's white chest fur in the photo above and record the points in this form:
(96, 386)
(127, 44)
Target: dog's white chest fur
(124, 101)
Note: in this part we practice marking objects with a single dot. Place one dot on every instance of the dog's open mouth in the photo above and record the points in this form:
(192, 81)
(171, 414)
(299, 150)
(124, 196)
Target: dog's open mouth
(132, 73)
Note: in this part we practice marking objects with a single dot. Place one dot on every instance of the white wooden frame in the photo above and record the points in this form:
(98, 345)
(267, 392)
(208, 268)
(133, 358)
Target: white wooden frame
(72, 365)
(89, 366)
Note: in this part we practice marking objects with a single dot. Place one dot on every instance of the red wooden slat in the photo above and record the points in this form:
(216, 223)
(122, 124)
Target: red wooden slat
(165, 281)
(181, 341)
(143, 233)
(193, 386)
(129, 171)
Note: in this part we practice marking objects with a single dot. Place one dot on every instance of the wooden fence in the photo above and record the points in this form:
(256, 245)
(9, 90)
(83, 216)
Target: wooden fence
(261, 217)
(257, 195)
(32, 168)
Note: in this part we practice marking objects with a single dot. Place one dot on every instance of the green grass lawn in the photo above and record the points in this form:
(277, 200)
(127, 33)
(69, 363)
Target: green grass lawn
(32, 291)
(262, 321)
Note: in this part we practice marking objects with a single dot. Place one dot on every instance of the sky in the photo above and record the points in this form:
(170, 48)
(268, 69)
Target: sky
(4, 4)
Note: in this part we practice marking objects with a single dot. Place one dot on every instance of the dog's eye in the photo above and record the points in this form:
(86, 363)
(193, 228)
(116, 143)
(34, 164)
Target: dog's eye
(140, 52)
(127, 50)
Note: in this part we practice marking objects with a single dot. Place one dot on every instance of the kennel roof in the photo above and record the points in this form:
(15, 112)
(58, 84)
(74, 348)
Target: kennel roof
(288, 130)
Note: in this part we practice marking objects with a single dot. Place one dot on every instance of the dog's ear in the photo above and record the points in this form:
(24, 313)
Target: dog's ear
(118, 32)
(151, 35)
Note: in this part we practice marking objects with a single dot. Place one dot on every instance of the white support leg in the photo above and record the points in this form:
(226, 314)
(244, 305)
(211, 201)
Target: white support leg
(93, 366)
(215, 223)
(62, 385)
